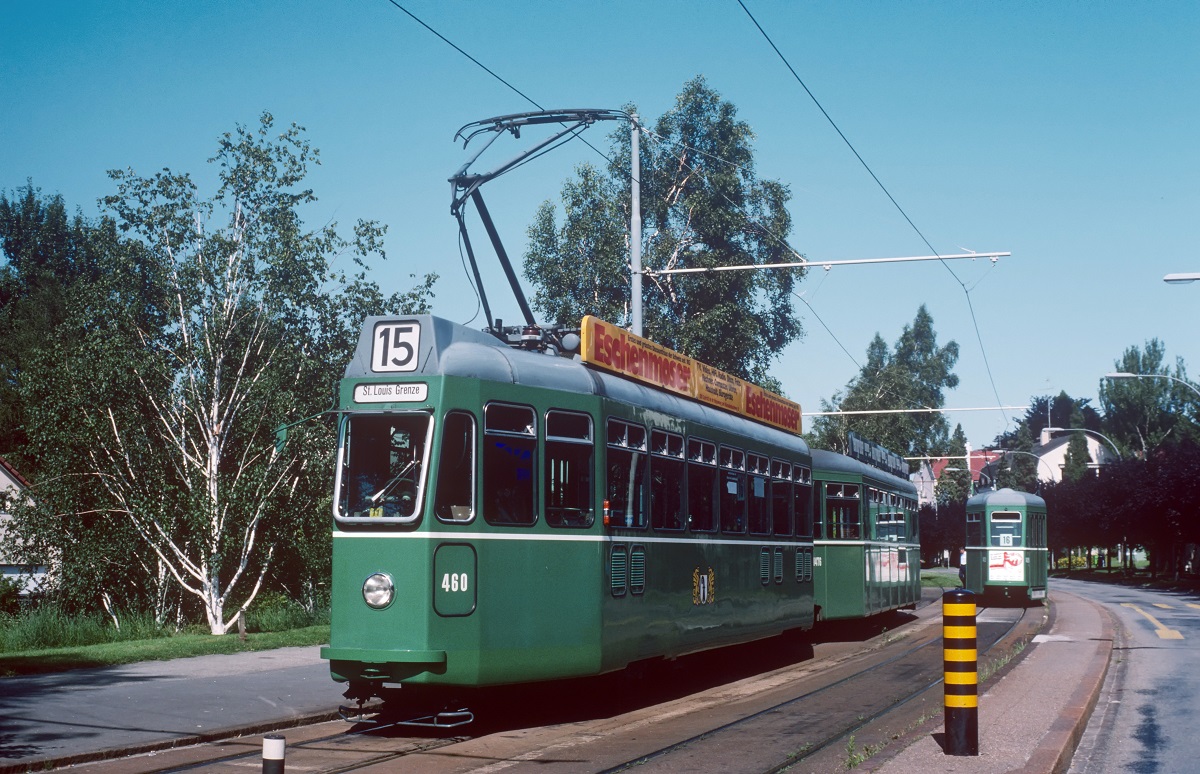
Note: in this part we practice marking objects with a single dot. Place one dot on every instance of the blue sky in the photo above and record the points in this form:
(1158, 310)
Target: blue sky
(1066, 133)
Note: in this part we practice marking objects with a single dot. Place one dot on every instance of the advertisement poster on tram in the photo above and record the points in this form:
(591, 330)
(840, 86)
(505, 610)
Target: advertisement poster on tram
(1006, 566)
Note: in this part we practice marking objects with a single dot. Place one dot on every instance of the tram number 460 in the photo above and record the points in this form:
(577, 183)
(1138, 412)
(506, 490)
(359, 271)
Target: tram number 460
(454, 581)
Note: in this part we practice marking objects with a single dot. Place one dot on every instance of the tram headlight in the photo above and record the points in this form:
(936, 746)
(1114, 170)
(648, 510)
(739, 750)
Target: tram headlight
(378, 590)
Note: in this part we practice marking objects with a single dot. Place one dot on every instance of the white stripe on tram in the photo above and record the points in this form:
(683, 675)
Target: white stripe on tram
(457, 536)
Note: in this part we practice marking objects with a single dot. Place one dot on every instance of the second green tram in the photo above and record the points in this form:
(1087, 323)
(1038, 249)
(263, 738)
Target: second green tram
(866, 551)
(1007, 555)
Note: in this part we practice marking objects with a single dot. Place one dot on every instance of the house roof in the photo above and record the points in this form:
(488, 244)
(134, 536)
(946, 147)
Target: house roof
(14, 474)
(978, 461)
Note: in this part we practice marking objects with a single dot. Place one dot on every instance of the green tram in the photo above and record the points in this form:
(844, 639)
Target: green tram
(867, 553)
(1007, 556)
(504, 515)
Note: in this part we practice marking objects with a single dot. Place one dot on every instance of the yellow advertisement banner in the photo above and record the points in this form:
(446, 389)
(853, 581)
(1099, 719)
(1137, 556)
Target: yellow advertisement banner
(618, 351)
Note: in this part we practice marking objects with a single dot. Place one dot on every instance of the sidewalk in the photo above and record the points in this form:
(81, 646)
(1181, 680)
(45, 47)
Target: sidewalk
(1032, 719)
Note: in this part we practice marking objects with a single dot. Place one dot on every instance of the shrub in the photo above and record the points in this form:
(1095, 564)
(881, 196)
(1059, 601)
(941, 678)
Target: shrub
(10, 595)
(275, 612)
(48, 626)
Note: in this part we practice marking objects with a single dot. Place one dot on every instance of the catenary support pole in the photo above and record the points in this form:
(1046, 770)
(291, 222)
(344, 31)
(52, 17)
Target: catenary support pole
(272, 755)
(961, 665)
(635, 228)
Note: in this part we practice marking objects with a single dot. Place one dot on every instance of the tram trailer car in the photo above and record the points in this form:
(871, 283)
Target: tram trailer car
(504, 516)
(1007, 555)
(866, 551)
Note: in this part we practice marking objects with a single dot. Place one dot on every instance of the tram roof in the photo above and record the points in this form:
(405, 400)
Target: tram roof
(456, 350)
(1006, 497)
(840, 463)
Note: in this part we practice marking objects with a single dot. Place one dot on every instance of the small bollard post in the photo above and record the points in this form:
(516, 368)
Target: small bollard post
(961, 667)
(272, 755)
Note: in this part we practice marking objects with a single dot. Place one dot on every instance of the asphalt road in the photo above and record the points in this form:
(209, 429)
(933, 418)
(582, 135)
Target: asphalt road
(1145, 720)
(56, 716)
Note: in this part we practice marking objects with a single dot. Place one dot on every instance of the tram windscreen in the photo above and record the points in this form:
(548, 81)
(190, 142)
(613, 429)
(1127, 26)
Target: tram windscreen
(382, 473)
(1006, 529)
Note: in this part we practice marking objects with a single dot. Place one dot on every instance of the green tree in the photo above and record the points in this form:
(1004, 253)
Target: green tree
(955, 485)
(234, 322)
(1059, 411)
(1143, 414)
(1075, 466)
(913, 375)
(1020, 470)
(581, 268)
(43, 252)
(59, 279)
(703, 207)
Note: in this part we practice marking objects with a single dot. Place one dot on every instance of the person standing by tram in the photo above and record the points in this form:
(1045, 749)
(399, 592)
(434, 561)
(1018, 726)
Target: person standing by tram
(962, 567)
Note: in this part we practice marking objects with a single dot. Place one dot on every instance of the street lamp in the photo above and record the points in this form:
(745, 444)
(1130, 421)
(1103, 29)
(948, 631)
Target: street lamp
(1182, 278)
(1126, 375)
(1083, 430)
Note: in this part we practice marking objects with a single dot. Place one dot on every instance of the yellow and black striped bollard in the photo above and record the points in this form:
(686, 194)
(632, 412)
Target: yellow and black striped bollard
(961, 665)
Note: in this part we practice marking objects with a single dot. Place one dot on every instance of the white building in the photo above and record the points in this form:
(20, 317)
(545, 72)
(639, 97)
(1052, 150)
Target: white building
(1052, 455)
(14, 486)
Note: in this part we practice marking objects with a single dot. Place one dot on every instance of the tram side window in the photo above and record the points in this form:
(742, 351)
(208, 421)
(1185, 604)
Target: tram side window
(731, 502)
(974, 529)
(568, 478)
(1038, 530)
(877, 517)
(842, 515)
(891, 520)
(1006, 529)
(758, 495)
(802, 495)
(455, 500)
(625, 483)
(702, 485)
(781, 498)
(509, 450)
(666, 480)
(383, 466)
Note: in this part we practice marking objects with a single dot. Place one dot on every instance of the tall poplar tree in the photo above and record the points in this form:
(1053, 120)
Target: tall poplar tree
(912, 375)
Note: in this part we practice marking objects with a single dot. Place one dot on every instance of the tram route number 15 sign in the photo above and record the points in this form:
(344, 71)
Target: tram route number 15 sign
(394, 347)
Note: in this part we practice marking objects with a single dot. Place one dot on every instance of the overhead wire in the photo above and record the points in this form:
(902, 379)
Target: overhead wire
(759, 227)
(700, 173)
(867, 167)
(514, 89)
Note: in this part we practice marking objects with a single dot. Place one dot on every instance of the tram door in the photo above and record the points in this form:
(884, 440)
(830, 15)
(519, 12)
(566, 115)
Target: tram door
(976, 552)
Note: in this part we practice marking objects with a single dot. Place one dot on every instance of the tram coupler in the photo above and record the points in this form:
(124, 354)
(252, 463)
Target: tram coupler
(378, 715)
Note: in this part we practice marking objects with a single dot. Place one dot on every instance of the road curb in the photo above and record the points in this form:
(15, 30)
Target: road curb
(1057, 747)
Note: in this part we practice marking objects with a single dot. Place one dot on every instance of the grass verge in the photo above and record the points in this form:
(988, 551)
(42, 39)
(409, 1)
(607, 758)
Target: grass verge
(33, 662)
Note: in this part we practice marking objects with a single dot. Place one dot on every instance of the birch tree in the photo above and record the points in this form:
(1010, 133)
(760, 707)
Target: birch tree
(243, 322)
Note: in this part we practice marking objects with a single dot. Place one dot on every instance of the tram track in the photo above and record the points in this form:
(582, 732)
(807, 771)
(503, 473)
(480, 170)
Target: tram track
(780, 729)
(799, 714)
